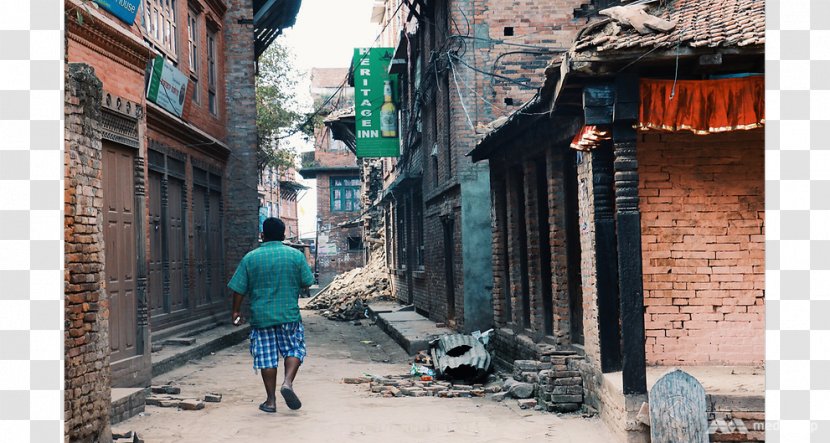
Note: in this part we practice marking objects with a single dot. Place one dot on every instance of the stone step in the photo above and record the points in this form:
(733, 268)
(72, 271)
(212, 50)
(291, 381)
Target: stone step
(126, 403)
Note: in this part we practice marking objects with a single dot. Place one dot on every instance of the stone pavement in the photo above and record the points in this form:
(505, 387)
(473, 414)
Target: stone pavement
(334, 411)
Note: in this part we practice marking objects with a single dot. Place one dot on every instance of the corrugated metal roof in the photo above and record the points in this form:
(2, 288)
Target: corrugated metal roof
(460, 356)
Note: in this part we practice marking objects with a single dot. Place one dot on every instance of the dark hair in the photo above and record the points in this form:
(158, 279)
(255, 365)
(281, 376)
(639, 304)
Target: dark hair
(273, 229)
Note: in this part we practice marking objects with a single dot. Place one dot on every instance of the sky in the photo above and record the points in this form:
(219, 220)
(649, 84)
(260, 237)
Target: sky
(325, 35)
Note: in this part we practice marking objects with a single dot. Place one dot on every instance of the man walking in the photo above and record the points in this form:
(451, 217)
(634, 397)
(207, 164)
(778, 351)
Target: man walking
(272, 276)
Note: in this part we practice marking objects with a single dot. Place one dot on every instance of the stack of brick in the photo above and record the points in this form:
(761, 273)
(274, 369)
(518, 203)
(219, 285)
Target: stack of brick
(558, 383)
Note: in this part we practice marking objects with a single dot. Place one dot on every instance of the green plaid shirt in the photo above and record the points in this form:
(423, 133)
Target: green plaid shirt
(272, 276)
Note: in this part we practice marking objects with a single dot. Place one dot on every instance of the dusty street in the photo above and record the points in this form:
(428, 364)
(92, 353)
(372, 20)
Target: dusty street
(334, 411)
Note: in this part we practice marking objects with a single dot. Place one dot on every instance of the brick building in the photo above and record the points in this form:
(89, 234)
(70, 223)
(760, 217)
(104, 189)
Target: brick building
(339, 243)
(161, 200)
(460, 64)
(279, 193)
(628, 211)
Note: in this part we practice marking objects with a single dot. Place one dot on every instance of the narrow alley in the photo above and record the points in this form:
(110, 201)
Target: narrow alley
(334, 411)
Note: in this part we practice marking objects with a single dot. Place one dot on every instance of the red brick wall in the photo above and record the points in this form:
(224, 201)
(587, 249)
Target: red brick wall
(198, 113)
(340, 260)
(587, 237)
(118, 79)
(702, 205)
(86, 306)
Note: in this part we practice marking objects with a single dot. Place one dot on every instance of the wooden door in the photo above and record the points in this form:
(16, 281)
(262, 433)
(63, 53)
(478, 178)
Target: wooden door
(120, 252)
(155, 271)
(200, 225)
(215, 256)
(176, 244)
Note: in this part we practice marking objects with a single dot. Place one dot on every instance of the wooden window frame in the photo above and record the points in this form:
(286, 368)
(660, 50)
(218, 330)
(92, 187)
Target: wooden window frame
(193, 49)
(355, 199)
(212, 41)
(161, 26)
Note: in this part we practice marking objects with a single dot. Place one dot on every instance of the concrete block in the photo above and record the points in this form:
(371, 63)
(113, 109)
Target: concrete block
(528, 403)
(567, 381)
(213, 398)
(166, 389)
(356, 380)
(191, 405)
(526, 365)
(567, 390)
(566, 398)
(565, 407)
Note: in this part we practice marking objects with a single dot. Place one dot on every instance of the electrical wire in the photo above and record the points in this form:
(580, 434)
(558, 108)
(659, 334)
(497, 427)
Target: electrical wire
(460, 95)
(516, 82)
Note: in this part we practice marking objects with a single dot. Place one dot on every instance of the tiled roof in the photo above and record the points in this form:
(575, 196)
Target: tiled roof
(339, 114)
(328, 77)
(700, 23)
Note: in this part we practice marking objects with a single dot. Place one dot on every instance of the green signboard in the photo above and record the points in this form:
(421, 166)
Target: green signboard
(167, 87)
(376, 111)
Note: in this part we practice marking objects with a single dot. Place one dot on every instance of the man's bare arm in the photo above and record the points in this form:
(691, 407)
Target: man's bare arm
(237, 307)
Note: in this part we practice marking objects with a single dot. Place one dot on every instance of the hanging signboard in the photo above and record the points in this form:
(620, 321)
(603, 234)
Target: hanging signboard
(125, 10)
(167, 86)
(376, 112)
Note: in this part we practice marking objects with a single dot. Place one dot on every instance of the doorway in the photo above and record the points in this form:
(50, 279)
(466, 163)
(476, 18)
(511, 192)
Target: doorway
(449, 266)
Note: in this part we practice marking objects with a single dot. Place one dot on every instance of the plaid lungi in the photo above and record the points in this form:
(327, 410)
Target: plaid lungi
(287, 339)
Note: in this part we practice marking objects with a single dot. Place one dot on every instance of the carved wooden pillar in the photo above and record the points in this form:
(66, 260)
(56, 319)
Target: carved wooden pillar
(599, 110)
(608, 303)
(165, 247)
(629, 250)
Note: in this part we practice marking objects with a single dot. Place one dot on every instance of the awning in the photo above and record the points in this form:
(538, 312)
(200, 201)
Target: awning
(270, 18)
(398, 63)
(401, 182)
(289, 190)
(702, 106)
(342, 125)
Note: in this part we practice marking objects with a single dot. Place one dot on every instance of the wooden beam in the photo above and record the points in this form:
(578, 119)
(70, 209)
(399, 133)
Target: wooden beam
(629, 248)
(598, 104)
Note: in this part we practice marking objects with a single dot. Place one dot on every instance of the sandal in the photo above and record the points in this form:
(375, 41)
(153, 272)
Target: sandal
(269, 409)
(291, 398)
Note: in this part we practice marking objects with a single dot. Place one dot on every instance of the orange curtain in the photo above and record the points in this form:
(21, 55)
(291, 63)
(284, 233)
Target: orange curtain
(702, 106)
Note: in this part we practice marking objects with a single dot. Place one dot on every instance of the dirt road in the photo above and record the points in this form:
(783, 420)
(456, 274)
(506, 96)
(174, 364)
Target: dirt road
(333, 411)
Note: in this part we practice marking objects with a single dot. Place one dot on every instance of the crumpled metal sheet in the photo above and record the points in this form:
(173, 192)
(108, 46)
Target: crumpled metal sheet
(460, 356)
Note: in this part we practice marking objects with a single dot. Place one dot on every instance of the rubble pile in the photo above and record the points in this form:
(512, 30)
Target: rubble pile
(168, 396)
(346, 297)
(408, 386)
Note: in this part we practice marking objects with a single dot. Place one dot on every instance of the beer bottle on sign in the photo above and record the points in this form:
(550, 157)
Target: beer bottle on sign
(388, 117)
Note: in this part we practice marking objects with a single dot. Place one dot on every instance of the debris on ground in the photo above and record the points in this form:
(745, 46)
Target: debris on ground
(423, 358)
(414, 386)
(346, 298)
(126, 437)
(213, 397)
(168, 396)
(166, 389)
(191, 405)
